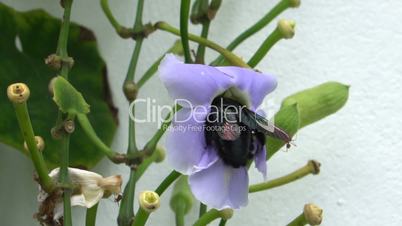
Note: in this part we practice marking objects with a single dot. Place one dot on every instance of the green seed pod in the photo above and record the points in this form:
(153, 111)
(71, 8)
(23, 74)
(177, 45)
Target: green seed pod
(318, 102)
(130, 90)
(199, 11)
(160, 154)
(182, 198)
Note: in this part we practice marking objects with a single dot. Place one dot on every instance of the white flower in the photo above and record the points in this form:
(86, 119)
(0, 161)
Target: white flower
(89, 188)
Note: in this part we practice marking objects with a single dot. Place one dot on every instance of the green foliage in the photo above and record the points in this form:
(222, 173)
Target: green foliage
(68, 98)
(306, 107)
(38, 32)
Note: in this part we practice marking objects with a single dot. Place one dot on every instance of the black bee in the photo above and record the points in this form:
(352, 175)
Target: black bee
(237, 132)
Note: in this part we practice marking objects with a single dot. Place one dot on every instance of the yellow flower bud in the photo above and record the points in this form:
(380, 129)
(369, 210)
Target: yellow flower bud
(149, 201)
(18, 92)
(287, 28)
(313, 214)
(40, 144)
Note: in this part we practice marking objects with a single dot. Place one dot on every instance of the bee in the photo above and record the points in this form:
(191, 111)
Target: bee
(237, 132)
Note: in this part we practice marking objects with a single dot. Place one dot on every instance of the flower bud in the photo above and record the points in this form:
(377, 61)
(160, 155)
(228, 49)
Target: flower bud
(18, 93)
(181, 198)
(294, 3)
(149, 201)
(40, 144)
(286, 28)
(226, 214)
(160, 154)
(313, 214)
(130, 90)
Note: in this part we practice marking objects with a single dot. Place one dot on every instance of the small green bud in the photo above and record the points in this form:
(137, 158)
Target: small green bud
(286, 28)
(313, 214)
(160, 154)
(226, 214)
(294, 3)
(181, 196)
(40, 144)
(18, 93)
(199, 11)
(149, 201)
(318, 102)
(130, 90)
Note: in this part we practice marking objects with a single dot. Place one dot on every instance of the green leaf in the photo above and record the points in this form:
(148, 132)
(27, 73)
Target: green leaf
(37, 33)
(288, 119)
(306, 107)
(68, 98)
(318, 102)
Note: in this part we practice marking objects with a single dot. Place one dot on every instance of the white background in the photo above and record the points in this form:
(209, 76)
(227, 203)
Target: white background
(355, 42)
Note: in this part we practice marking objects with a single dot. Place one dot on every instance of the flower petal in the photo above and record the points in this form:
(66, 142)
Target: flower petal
(260, 161)
(186, 149)
(221, 186)
(192, 84)
(256, 85)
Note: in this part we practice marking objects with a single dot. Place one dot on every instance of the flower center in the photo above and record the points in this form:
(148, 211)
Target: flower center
(225, 130)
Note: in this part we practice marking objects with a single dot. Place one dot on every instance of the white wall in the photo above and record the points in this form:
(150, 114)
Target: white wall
(356, 42)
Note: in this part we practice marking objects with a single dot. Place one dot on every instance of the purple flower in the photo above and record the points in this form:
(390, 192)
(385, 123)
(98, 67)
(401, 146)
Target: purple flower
(215, 160)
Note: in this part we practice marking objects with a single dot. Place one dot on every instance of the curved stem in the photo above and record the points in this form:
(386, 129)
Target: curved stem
(264, 21)
(90, 219)
(134, 60)
(184, 13)
(109, 15)
(138, 25)
(24, 121)
(232, 58)
(90, 132)
(298, 221)
(222, 222)
(208, 217)
(142, 216)
(270, 41)
(199, 57)
(312, 167)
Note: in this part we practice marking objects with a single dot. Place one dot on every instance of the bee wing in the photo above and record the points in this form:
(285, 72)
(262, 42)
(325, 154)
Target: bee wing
(261, 124)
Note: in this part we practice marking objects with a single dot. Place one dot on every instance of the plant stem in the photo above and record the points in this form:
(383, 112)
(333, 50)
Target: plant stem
(312, 167)
(90, 132)
(63, 37)
(232, 58)
(126, 211)
(203, 209)
(298, 221)
(281, 6)
(208, 217)
(142, 216)
(199, 58)
(177, 49)
(270, 41)
(109, 15)
(64, 179)
(222, 222)
(184, 13)
(24, 121)
(90, 219)
(179, 214)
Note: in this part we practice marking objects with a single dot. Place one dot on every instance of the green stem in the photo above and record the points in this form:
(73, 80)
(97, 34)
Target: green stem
(144, 166)
(208, 217)
(126, 212)
(203, 209)
(264, 21)
(177, 49)
(312, 167)
(232, 58)
(270, 41)
(142, 216)
(222, 222)
(298, 221)
(179, 214)
(184, 13)
(109, 15)
(199, 58)
(90, 132)
(134, 60)
(24, 121)
(63, 37)
(64, 179)
(90, 219)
